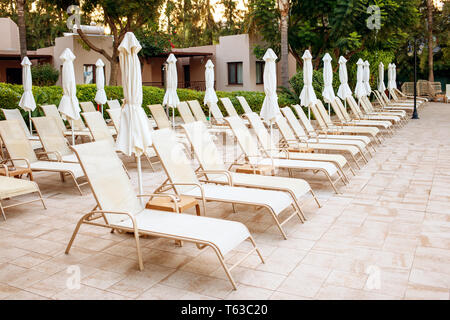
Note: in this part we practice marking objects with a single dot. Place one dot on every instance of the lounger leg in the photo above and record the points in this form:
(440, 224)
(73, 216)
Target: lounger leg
(150, 163)
(80, 222)
(234, 208)
(356, 162)
(256, 249)
(3, 211)
(76, 184)
(62, 176)
(331, 181)
(315, 198)
(138, 249)
(224, 266)
(42, 200)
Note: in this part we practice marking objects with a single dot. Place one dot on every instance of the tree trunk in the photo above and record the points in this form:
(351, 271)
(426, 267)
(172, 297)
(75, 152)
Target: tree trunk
(22, 27)
(284, 21)
(114, 69)
(430, 39)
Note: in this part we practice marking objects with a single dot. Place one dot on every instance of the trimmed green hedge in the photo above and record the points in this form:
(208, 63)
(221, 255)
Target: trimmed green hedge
(10, 96)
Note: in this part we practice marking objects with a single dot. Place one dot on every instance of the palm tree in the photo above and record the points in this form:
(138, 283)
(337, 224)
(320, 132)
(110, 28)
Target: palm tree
(283, 6)
(430, 8)
(22, 27)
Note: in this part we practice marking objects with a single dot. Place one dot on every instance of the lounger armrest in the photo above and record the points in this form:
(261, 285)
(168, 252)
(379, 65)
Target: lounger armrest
(133, 220)
(5, 167)
(198, 185)
(223, 172)
(56, 153)
(21, 159)
(174, 198)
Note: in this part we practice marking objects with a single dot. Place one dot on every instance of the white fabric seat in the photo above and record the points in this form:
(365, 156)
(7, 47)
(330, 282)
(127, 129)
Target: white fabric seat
(340, 159)
(276, 200)
(299, 164)
(11, 187)
(74, 168)
(226, 235)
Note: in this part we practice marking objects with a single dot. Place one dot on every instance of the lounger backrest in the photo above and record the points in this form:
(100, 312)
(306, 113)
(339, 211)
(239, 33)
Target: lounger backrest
(215, 112)
(393, 95)
(160, 116)
(51, 111)
(113, 104)
(323, 112)
(260, 130)
(109, 182)
(385, 97)
(248, 145)
(185, 112)
(197, 110)
(16, 142)
(115, 115)
(286, 131)
(318, 116)
(173, 159)
(447, 90)
(97, 126)
(353, 106)
(205, 150)
(78, 124)
(87, 106)
(367, 105)
(244, 104)
(337, 106)
(229, 107)
(293, 122)
(51, 137)
(14, 114)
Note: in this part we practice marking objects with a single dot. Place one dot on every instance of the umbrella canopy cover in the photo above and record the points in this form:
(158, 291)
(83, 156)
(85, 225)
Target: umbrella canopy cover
(390, 76)
(27, 102)
(210, 94)
(367, 77)
(270, 109)
(328, 92)
(100, 96)
(134, 134)
(381, 86)
(307, 96)
(171, 97)
(344, 90)
(394, 76)
(69, 106)
(360, 89)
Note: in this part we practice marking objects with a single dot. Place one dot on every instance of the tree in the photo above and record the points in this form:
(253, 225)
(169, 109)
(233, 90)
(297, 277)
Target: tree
(22, 27)
(430, 8)
(283, 6)
(121, 16)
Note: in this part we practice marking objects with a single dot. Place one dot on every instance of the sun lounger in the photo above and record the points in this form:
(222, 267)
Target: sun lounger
(244, 104)
(12, 187)
(53, 140)
(185, 112)
(119, 208)
(209, 159)
(182, 178)
(14, 114)
(160, 116)
(87, 106)
(22, 154)
(114, 104)
(253, 155)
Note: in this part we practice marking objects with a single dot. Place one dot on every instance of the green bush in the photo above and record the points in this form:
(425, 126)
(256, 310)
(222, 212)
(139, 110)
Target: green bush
(10, 96)
(44, 75)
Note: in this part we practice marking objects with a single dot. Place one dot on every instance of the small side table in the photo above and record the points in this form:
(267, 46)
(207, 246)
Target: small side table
(259, 169)
(17, 172)
(166, 204)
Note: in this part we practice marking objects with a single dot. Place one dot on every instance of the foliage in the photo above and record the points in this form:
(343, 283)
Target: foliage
(10, 96)
(297, 83)
(153, 42)
(44, 75)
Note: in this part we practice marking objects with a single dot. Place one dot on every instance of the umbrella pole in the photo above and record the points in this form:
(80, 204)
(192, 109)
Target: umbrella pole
(329, 110)
(101, 106)
(31, 122)
(173, 118)
(73, 133)
(309, 113)
(139, 172)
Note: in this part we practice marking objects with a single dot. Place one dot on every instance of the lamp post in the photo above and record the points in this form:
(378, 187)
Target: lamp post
(414, 50)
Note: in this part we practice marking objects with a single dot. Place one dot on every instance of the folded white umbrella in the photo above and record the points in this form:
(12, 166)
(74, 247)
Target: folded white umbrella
(391, 83)
(270, 109)
(381, 86)
(69, 106)
(328, 92)
(367, 78)
(307, 96)
(344, 90)
(210, 94)
(27, 102)
(100, 96)
(394, 76)
(360, 89)
(134, 133)
(171, 99)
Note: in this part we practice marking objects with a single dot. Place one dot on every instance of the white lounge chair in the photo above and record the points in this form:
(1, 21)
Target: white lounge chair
(14, 114)
(119, 208)
(209, 159)
(253, 155)
(160, 116)
(244, 104)
(114, 104)
(12, 187)
(182, 178)
(87, 106)
(22, 154)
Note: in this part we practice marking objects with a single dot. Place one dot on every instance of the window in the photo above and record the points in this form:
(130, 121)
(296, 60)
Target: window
(260, 72)
(89, 73)
(234, 72)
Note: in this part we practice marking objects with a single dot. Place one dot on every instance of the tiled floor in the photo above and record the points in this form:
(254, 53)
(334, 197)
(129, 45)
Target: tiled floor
(387, 236)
